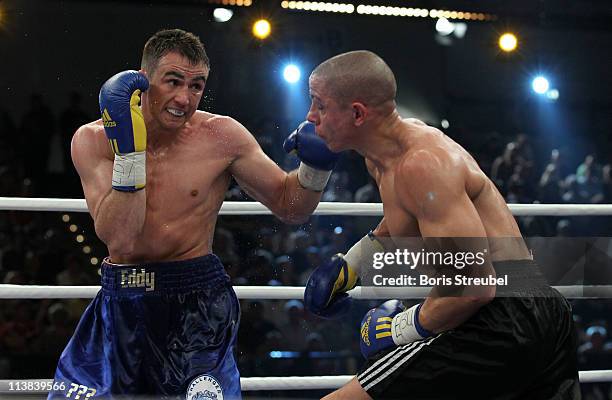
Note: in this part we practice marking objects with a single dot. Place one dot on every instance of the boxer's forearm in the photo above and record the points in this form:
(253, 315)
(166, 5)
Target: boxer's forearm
(120, 219)
(444, 313)
(447, 307)
(298, 203)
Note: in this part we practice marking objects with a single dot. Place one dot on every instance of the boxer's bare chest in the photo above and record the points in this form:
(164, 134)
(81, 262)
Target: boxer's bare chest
(186, 186)
(173, 177)
(185, 177)
(398, 220)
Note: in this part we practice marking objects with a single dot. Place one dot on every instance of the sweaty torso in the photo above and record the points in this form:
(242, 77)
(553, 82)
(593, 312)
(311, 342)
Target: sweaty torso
(187, 178)
(491, 207)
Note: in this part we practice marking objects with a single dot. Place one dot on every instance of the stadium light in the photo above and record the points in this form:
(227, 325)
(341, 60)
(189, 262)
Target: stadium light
(540, 84)
(222, 14)
(508, 42)
(552, 94)
(444, 27)
(292, 73)
(262, 29)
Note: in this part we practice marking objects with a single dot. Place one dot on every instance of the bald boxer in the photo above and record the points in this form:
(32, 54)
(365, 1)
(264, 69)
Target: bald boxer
(475, 345)
(155, 171)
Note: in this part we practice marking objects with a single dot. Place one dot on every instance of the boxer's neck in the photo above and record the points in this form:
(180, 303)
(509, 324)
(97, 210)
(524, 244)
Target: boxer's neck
(383, 142)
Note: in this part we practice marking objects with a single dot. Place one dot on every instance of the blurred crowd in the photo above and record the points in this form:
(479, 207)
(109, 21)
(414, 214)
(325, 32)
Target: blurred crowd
(276, 337)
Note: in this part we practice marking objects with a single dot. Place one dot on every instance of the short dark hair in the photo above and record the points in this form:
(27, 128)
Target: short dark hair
(358, 75)
(168, 40)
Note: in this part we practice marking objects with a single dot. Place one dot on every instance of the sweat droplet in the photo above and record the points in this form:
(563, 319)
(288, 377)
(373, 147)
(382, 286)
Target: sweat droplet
(431, 196)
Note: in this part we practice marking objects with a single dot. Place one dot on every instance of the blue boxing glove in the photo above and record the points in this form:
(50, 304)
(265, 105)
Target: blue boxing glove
(390, 325)
(317, 159)
(125, 128)
(325, 294)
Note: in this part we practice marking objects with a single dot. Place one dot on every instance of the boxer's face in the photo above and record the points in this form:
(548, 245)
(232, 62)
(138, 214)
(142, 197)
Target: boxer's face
(332, 121)
(176, 87)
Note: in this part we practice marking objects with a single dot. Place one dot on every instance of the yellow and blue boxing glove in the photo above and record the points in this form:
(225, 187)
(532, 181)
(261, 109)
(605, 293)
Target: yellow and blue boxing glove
(125, 128)
(390, 325)
(325, 294)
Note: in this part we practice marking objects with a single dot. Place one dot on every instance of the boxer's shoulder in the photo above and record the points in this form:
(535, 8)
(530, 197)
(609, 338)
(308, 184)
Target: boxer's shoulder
(421, 160)
(223, 132)
(428, 168)
(431, 154)
(415, 121)
(92, 128)
(92, 136)
(218, 125)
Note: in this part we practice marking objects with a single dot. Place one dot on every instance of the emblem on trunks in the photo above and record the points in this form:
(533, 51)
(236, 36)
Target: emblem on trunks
(204, 387)
(130, 278)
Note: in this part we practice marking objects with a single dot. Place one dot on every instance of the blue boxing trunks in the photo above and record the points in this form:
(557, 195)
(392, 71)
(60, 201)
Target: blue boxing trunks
(156, 330)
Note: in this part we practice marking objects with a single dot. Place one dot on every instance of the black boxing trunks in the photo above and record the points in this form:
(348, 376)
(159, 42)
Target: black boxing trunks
(522, 345)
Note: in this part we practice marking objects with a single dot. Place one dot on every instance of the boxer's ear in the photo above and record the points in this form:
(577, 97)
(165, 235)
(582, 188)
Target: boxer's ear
(360, 112)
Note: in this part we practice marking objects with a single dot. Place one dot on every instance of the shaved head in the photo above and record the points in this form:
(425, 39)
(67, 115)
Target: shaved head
(360, 76)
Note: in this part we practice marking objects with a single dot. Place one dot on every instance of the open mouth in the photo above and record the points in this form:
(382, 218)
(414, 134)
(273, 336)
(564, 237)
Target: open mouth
(175, 112)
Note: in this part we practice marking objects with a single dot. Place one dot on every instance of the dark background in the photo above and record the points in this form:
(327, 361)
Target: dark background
(55, 47)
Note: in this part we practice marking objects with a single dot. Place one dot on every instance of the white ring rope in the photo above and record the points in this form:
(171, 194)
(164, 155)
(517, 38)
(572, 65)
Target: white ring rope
(324, 208)
(286, 293)
(278, 292)
(277, 382)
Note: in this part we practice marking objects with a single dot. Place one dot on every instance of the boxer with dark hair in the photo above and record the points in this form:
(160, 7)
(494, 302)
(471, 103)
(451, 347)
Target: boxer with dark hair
(154, 176)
